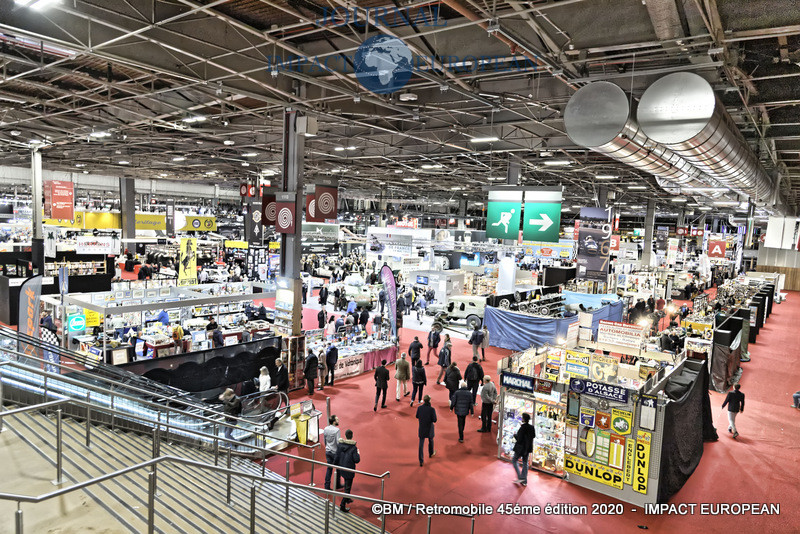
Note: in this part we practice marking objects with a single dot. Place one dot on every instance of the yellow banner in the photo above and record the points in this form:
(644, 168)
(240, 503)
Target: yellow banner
(199, 223)
(92, 317)
(593, 471)
(641, 469)
(187, 262)
(274, 245)
(629, 452)
(236, 244)
(151, 221)
(102, 220)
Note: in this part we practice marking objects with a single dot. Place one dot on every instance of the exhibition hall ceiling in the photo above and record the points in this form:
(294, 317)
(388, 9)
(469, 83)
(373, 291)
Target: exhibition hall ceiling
(195, 90)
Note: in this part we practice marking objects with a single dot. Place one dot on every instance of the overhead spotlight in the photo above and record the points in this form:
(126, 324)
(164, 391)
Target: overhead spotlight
(15, 133)
(124, 162)
(489, 139)
(357, 99)
(228, 142)
(408, 97)
(178, 158)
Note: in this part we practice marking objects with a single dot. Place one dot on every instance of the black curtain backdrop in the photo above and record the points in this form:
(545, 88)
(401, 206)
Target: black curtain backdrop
(686, 423)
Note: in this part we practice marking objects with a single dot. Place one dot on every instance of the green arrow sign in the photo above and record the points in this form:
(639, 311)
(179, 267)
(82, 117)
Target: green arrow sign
(542, 222)
(502, 220)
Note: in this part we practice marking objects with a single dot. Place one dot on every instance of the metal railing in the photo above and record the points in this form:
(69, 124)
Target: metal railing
(177, 431)
(158, 459)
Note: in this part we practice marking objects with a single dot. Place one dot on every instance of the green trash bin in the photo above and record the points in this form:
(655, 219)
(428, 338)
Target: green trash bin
(301, 422)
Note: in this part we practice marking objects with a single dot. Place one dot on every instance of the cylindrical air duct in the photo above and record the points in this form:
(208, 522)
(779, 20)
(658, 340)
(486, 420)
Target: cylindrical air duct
(598, 117)
(681, 112)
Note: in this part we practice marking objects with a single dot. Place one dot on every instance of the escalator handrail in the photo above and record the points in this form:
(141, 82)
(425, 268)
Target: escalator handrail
(158, 424)
(283, 403)
(112, 383)
(220, 416)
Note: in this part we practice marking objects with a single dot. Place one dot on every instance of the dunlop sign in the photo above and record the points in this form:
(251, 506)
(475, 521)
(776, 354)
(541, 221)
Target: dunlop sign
(641, 468)
(592, 471)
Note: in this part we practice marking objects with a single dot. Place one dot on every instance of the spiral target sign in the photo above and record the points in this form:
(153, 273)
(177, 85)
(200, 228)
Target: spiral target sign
(326, 203)
(285, 218)
(270, 212)
(312, 208)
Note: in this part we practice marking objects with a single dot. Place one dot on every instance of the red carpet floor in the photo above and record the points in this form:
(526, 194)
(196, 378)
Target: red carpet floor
(759, 467)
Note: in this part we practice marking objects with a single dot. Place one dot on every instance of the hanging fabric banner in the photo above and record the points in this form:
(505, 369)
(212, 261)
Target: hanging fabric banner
(326, 195)
(187, 262)
(268, 206)
(390, 286)
(311, 209)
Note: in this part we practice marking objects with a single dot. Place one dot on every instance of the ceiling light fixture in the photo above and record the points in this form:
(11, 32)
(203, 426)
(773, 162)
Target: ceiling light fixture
(428, 166)
(12, 99)
(411, 179)
(558, 162)
(178, 158)
(339, 149)
(678, 199)
(124, 162)
(245, 164)
(407, 97)
(229, 142)
(606, 177)
(15, 133)
(705, 208)
(637, 188)
(489, 139)
(398, 171)
(726, 202)
(163, 175)
(250, 154)
(196, 118)
(352, 148)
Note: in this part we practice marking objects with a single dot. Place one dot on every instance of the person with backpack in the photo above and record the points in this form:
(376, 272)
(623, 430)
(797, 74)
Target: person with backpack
(452, 378)
(418, 381)
(461, 404)
(433, 344)
(444, 361)
(474, 375)
(476, 339)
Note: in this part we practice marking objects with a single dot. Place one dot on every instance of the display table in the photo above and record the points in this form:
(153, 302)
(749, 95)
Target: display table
(359, 362)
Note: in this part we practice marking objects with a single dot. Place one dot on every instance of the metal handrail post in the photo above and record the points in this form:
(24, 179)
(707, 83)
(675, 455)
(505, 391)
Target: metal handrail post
(287, 487)
(328, 407)
(253, 508)
(168, 432)
(59, 450)
(113, 410)
(2, 402)
(88, 419)
(216, 444)
(228, 490)
(18, 519)
(327, 515)
(313, 459)
(383, 513)
(151, 502)
(428, 530)
(472, 527)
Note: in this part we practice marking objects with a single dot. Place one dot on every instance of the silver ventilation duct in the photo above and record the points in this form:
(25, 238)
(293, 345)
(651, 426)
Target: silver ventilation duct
(598, 117)
(681, 112)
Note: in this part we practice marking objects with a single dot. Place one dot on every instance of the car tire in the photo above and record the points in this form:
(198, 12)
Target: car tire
(533, 308)
(544, 310)
(523, 306)
(504, 304)
(517, 296)
(473, 320)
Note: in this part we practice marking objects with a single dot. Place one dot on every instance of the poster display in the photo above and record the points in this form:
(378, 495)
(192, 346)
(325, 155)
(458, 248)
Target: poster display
(390, 286)
(59, 200)
(326, 195)
(187, 262)
(662, 234)
(622, 334)
(593, 471)
(170, 218)
(95, 245)
(594, 244)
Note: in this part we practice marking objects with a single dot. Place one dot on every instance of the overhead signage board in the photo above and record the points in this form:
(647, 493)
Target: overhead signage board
(503, 214)
(621, 334)
(716, 249)
(518, 382)
(542, 218)
(599, 389)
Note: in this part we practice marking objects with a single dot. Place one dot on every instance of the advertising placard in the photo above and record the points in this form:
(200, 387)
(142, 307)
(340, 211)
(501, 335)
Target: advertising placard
(518, 382)
(716, 249)
(326, 196)
(95, 245)
(59, 200)
(641, 470)
(350, 366)
(594, 242)
(593, 471)
(187, 262)
(598, 389)
(622, 334)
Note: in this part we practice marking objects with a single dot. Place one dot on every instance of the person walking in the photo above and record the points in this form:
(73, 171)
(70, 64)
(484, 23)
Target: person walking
(427, 420)
(330, 329)
(522, 448)
(795, 399)
(461, 405)
(419, 380)
(322, 317)
(281, 377)
(402, 375)
(382, 299)
(381, 384)
(433, 344)
(476, 339)
(347, 456)
(415, 350)
(264, 381)
(322, 370)
(488, 400)
(323, 295)
(331, 435)
(452, 379)
(331, 358)
(485, 343)
(304, 291)
(444, 361)
(473, 374)
(232, 408)
(310, 370)
(735, 403)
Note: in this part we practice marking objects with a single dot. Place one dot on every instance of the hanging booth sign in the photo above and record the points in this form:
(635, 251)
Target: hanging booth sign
(187, 262)
(594, 236)
(326, 195)
(59, 200)
(285, 213)
(311, 209)
(598, 389)
(542, 220)
(95, 245)
(503, 214)
(681, 231)
(517, 381)
(255, 228)
(268, 206)
(622, 334)
(593, 471)
(716, 249)
(170, 218)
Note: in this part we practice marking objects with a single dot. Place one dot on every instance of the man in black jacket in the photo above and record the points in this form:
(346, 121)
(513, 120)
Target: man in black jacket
(323, 295)
(522, 448)
(363, 320)
(433, 344)
(310, 370)
(735, 403)
(476, 339)
(331, 357)
(473, 374)
(427, 417)
(322, 317)
(381, 384)
(347, 456)
(281, 377)
(461, 404)
(382, 299)
(415, 350)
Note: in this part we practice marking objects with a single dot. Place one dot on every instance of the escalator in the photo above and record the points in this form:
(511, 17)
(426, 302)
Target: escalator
(36, 372)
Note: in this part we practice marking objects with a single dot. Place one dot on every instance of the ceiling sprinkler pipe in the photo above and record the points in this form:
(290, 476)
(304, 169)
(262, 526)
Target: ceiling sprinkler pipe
(598, 117)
